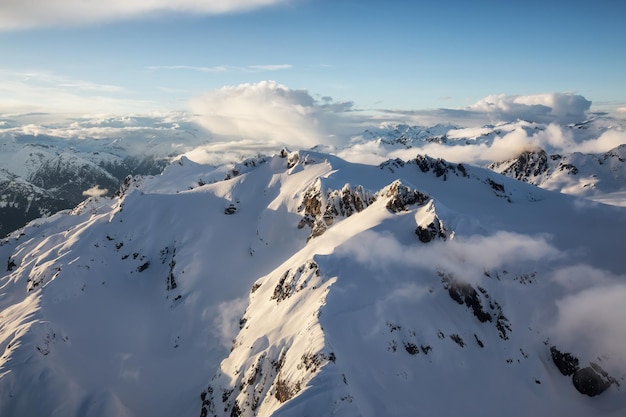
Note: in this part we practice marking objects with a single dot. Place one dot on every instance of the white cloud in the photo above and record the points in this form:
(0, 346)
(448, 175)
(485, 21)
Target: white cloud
(270, 112)
(465, 257)
(226, 321)
(511, 140)
(95, 191)
(549, 107)
(223, 68)
(560, 108)
(16, 14)
(606, 141)
(590, 319)
(270, 67)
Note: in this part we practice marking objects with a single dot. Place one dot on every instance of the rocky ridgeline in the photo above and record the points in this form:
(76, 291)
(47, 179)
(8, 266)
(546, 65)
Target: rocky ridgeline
(321, 210)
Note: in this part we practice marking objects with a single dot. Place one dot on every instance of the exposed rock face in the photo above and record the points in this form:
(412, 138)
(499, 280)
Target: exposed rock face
(321, 209)
(574, 173)
(566, 363)
(464, 293)
(527, 165)
(591, 380)
(434, 230)
(439, 167)
(400, 197)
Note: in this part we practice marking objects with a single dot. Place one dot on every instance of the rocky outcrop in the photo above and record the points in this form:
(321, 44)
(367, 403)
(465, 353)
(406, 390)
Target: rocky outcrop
(591, 380)
(439, 167)
(401, 196)
(433, 230)
(527, 165)
(321, 209)
(483, 307)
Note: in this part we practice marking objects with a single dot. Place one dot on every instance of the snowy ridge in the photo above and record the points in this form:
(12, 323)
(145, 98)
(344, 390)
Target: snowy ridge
(580, 174)
(430, 287)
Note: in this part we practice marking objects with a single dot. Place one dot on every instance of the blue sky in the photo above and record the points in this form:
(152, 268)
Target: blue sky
(378, 55)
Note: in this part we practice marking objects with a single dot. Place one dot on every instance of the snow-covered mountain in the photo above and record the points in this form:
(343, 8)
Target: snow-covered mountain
(47, 168)
(540, 154)
(303, 284)
(592, 175)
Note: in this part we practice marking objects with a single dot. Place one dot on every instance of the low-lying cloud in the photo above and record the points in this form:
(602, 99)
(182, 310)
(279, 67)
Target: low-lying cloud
(95, 191)
(467, 257)
(590, 318)
(272, 114)
(17, 14)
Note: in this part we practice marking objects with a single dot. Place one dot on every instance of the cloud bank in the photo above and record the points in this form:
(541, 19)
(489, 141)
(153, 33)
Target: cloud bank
(468, 257)
(588, 302)
(560, 108)
(590, 318)
(19, 14)
(545, 108)
(270, 112)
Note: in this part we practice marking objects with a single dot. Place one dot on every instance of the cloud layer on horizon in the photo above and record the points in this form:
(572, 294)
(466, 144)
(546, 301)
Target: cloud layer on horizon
(272, 115)
(260, 118)
(561, 108)
(19, 14)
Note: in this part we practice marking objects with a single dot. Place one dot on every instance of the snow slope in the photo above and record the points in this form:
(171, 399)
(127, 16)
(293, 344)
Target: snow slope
(303, 284)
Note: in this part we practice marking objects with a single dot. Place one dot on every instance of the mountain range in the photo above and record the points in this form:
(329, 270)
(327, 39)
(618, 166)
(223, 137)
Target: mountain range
(304, 283)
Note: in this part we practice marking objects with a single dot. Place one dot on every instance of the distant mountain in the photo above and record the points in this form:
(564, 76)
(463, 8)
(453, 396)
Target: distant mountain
(580, 174)
(43, 173)
(302, 284)
(407, 135)
(600, 176)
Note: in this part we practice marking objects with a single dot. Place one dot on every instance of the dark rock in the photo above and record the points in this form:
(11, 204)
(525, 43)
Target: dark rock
(231, 209)
(401, 196)
(589, 382)
(433, 230)
(10, 265)
(499, 188)
(464, 293)
(411, 348)
(566, 362)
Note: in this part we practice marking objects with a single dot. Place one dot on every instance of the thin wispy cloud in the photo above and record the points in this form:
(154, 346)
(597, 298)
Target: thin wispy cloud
(20, 14)
(221, 68)
(44, 91)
